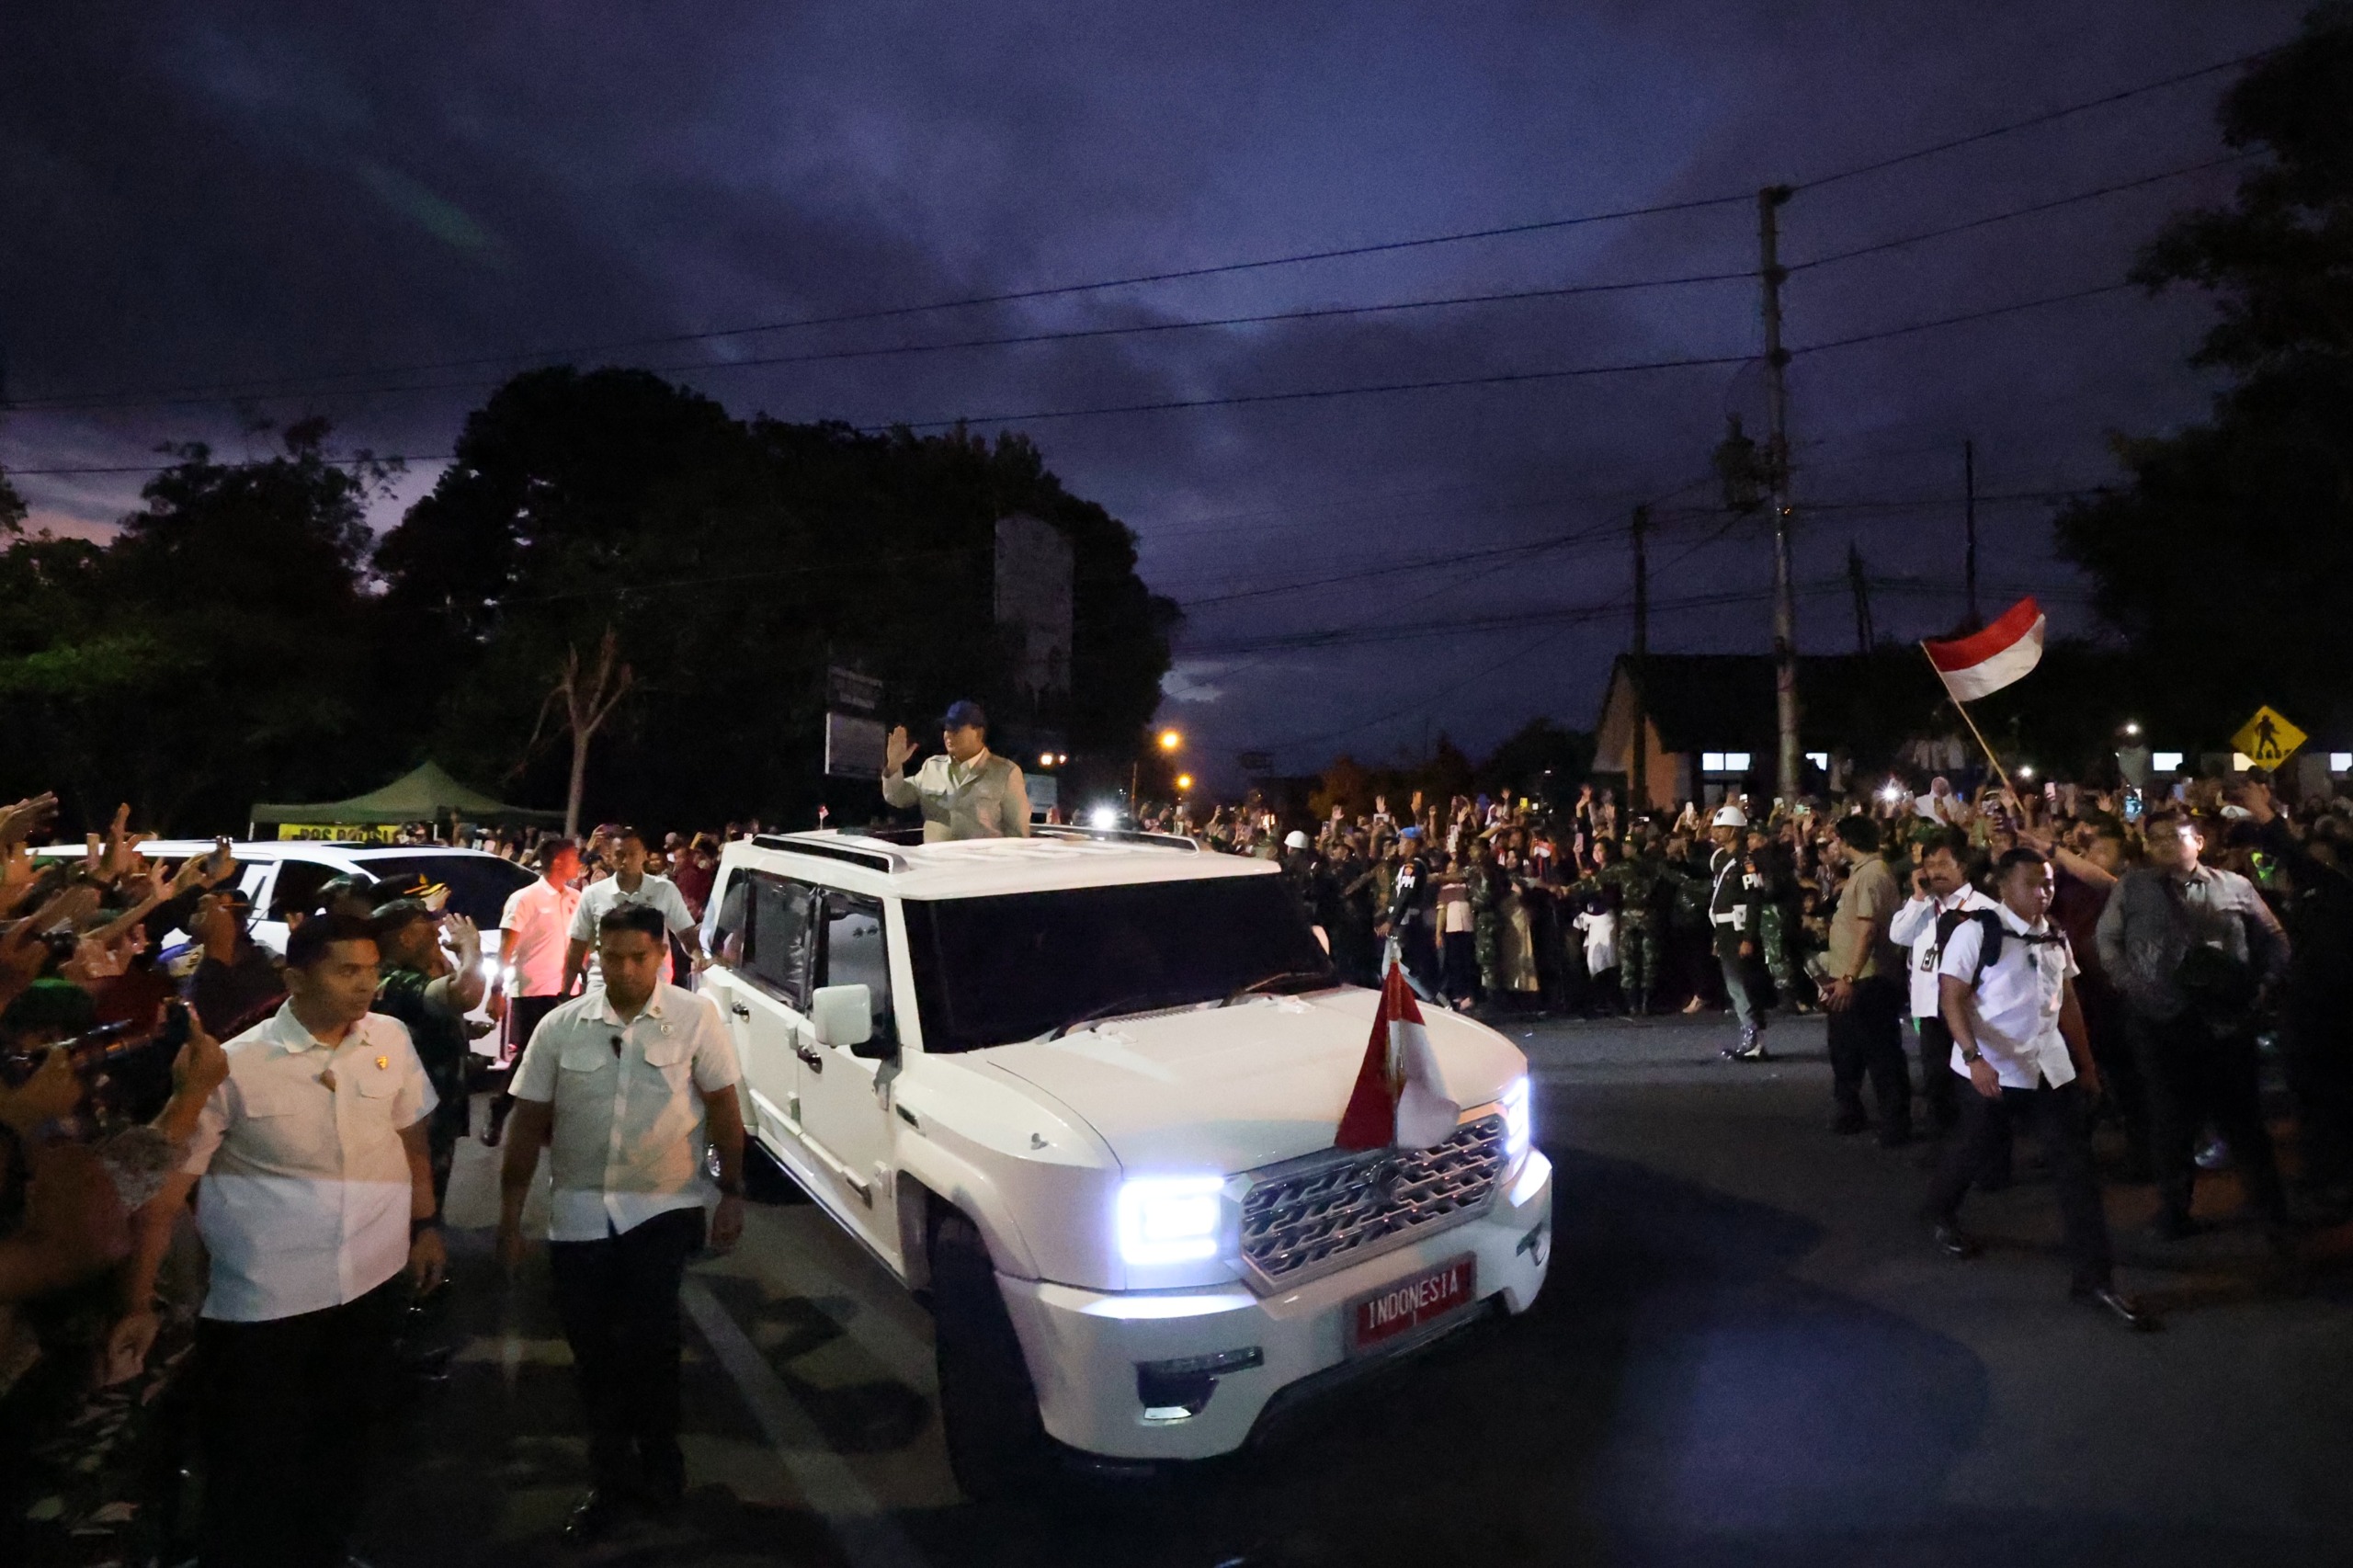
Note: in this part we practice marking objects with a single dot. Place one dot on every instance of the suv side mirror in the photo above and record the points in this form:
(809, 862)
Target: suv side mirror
(842, 1015)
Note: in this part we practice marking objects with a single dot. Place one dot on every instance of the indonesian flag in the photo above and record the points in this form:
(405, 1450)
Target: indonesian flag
(1397, 1099)
(1985, 662)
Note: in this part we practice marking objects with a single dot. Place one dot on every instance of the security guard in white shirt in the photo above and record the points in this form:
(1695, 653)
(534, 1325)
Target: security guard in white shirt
(317, 1209)
(1940, 887)
(2007, 984)
(626, 1084)
(966, 791)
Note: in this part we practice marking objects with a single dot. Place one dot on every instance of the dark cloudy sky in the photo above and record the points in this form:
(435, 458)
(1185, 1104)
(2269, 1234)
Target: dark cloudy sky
(197, 197)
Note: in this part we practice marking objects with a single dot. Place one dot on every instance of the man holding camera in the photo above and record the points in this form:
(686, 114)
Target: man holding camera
(626, 1086)
(316, 1208)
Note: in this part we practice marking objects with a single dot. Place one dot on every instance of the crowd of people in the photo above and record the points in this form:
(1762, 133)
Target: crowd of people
(253, 1335)
(2181, 939)
(2068, 959)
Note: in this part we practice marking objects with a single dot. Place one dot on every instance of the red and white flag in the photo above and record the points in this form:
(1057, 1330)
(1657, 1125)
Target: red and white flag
(1400, 1097)
(1985, 662)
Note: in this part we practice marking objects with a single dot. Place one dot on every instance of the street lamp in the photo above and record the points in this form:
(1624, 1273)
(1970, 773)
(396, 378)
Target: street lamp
(1170, 740)
(1184, 782)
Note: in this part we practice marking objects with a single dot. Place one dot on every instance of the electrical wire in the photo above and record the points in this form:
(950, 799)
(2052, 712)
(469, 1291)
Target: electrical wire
(1012, 340)
(2039, 207)
(259, 386)
(2045, 118)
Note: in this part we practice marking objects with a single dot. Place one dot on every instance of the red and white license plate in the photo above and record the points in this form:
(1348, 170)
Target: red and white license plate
(1395, 1311)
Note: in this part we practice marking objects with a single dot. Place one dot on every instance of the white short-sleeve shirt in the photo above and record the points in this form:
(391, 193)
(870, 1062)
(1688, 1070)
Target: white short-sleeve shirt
(2015, 1007)
(1914, 926)
(599, 897)
(304, 1200)
(537, 920)
(628, 1098)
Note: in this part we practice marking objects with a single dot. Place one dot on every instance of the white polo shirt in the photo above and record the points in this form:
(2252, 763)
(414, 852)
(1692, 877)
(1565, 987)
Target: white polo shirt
(1914, 926)
(2015, 1008)
(538, 922)
(628, 1100)
(304, 1200)
(597, 897)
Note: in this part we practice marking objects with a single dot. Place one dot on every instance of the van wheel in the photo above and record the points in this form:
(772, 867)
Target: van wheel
(996, 1444)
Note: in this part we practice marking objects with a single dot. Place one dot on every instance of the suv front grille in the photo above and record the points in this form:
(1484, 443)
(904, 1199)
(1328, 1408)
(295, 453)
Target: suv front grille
(1308, 1216)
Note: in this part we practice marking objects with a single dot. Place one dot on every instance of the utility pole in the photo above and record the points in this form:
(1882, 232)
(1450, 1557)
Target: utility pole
(1860, 587)
(1776, 470)
(1969, 520)
(1638, 766)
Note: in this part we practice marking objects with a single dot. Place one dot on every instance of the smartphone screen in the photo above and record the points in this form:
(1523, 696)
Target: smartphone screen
(2131, 805)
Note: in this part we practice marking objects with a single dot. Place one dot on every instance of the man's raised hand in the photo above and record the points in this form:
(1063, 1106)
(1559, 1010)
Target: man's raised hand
(896, 750)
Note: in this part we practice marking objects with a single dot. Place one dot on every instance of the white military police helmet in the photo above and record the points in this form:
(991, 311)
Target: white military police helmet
(1294, 839)
(1729, 815)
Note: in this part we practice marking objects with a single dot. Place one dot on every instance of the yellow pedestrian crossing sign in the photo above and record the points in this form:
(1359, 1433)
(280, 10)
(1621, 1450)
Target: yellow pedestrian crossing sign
(2269, 739)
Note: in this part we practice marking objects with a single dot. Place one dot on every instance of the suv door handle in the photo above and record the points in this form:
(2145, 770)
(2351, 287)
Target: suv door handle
(815, 1062)
(740, 1010)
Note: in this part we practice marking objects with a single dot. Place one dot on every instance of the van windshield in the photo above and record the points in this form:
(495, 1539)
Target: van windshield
(991, 971)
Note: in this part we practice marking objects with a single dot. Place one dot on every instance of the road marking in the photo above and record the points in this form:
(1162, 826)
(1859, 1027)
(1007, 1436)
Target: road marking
(869, 1538)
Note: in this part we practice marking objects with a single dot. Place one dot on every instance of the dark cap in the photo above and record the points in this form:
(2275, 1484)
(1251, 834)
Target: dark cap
(400, 913)
(961, 712)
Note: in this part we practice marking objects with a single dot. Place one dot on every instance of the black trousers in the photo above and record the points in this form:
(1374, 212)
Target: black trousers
(2190, 1071)
(1867, 1041)
(284, 1411)
(1940, 1086)
(618, 1299)
(2059, 1117)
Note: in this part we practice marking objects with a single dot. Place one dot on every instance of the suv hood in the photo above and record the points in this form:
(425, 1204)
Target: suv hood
(1230, 1089)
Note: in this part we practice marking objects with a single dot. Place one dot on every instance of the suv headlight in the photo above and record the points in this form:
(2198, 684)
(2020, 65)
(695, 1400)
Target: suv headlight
(1519, 1124)
(1170, 1218)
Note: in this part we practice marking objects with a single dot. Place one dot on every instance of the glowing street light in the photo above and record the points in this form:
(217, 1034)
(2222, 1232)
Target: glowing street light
(1045, 760)
(1170, 740)
(1184, 781)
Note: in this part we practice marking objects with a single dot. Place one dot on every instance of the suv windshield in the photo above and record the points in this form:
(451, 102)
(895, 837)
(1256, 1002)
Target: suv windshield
(990, 971)
(479, 884)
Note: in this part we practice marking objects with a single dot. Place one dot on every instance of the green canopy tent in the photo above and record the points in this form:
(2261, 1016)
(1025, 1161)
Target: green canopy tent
(429, 794)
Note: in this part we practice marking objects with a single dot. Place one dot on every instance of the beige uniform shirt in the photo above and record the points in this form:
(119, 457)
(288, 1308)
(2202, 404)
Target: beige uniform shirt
(1870, 895)
(985, 798)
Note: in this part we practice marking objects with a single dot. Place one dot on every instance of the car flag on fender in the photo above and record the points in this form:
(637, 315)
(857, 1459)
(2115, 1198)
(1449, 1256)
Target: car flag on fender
(1399, 1097)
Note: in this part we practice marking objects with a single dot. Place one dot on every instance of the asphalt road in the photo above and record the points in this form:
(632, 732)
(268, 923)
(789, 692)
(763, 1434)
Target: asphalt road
(1747, 1353)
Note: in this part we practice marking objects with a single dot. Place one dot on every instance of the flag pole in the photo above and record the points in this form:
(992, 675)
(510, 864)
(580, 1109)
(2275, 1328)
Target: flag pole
(1962, 709)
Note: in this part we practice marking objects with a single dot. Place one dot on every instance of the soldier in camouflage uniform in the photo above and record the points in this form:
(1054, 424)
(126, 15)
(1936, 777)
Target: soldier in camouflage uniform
(1631, 882)
(1488, 889)
(1777, 913)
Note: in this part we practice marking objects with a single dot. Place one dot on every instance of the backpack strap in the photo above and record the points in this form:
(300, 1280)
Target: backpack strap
(1989, 951)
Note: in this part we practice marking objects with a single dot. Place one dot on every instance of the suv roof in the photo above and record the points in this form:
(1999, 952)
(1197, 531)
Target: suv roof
(973, 868)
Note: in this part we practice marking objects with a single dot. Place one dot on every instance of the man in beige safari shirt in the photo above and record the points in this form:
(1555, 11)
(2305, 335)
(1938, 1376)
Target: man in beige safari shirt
(967, 790)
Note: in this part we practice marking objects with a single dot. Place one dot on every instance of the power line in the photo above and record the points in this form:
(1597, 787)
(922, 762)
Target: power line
(2038, 207)
(1238, 399)
(263, 385)
(1320, 313)
(2046, 117)
(1965, 316)
(1007, 297)
(1011, 340)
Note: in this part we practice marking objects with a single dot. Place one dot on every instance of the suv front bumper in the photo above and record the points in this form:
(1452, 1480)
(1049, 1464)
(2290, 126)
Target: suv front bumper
(1085, 1348)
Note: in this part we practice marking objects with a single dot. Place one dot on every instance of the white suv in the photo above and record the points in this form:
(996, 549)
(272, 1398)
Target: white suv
(1081, 1089)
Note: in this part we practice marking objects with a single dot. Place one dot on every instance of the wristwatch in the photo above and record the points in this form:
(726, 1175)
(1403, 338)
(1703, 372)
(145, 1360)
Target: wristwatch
(1973, 1056)
(418, 1227)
